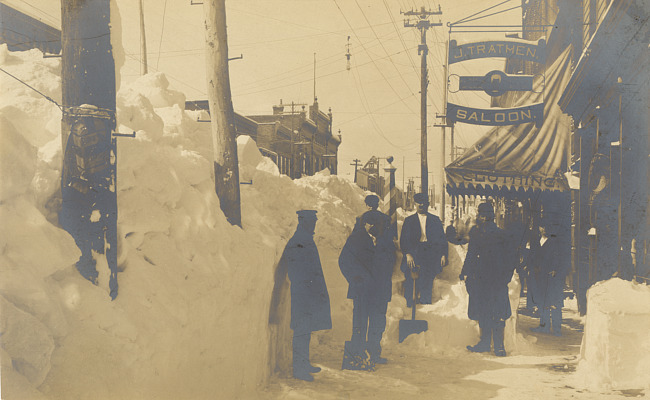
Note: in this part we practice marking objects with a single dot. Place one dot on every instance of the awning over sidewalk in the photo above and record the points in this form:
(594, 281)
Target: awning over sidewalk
(520, 159)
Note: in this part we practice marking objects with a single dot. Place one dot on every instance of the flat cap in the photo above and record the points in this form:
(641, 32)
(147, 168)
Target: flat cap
(485, 209)
(306, 213)
(421, 198)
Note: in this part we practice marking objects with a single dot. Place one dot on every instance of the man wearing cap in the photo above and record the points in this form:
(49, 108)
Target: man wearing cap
(424, 247)
(550, 266)
(366, 261)
(310, 302)
(487, 270)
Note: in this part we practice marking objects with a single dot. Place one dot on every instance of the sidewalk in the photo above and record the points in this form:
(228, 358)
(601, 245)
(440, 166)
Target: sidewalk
(541, 368)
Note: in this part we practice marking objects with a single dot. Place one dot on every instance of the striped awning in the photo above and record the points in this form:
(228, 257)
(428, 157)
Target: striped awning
(519, 160)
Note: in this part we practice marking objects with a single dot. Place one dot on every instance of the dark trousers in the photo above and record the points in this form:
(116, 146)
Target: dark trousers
(551, 316)
(301, 351)
(492, 331)
(429, 264)
(368, 325)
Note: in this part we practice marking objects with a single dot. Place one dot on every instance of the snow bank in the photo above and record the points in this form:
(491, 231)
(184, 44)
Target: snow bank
(450, 329)
(191, 318)
(192, 315)
(615, 350)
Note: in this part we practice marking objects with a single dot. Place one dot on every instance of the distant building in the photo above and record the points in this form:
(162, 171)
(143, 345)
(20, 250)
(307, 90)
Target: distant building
(21, 32)
(369, 178)
(300, 142)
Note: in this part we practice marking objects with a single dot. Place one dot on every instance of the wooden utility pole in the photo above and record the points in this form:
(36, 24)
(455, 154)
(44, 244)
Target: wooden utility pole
(356, 162)
(423, 24)
(88, 175)
(226, 168)
(143, 42)
(444, 125)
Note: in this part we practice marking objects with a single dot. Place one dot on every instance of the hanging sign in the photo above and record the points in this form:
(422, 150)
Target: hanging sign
(496, 83)
(499, 48)
(496, 116)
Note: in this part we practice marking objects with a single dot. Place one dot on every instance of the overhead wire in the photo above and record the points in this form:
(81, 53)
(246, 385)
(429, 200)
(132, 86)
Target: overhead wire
(365, 104)
(308, 80)
(374, 62)
(162, 31)
(382, 46)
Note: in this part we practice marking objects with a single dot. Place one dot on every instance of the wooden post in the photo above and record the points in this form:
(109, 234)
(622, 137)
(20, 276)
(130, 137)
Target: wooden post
(88, 175)
(143, 43)
(226, 168)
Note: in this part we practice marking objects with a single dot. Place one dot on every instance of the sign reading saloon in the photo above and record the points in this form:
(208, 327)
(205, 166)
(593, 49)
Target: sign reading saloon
(496, 116)
(500, 48)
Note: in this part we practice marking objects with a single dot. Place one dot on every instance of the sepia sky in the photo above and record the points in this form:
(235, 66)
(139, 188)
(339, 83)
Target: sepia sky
(375, 104)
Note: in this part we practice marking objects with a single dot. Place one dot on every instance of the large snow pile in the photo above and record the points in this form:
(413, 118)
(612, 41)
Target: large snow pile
(449, 328)
(192, 316)
(615, 350)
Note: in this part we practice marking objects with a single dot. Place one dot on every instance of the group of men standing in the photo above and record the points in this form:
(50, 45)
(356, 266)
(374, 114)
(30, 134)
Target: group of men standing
(367, 260)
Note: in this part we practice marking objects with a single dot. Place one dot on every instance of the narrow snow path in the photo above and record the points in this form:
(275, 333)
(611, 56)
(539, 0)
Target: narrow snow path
(542, 368)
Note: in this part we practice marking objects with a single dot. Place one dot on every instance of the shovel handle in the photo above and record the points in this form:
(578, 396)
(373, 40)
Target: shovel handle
(414, 298)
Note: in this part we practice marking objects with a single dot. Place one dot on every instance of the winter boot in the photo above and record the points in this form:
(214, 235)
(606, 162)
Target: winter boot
(544, 321)
(483, 346)
(497, 336)
(374, 349)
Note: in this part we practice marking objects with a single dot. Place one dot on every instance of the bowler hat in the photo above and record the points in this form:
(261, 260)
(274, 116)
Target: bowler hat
(421, 198)
(486, 209)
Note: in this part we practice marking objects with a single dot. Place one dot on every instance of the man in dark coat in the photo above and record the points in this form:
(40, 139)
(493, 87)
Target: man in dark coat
(424, 246)
(310, 302)
(487, 270)
(366, 261)
(550, 266)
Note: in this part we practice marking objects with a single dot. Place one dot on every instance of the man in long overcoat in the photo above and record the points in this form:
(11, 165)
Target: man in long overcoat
(366, 261)
(487, 270)
(310, 302)
(424, 246)
(550, 266)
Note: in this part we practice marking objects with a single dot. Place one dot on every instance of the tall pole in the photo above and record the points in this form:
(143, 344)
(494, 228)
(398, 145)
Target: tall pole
(620, 175)
(88, 174)
(392, 207)
(226, 168)
(424, 167)
(143, 42)
(442, 139)
(356, 162)
(423, 24)
(314, 76)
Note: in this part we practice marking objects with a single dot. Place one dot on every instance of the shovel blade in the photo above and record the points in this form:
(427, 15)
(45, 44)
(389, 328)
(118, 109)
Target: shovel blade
(411, 326)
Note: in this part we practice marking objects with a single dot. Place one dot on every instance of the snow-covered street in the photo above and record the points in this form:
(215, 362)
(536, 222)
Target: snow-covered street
(545, 369)
(205, 308)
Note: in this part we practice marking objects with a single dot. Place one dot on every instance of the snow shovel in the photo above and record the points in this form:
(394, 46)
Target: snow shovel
(412, 326)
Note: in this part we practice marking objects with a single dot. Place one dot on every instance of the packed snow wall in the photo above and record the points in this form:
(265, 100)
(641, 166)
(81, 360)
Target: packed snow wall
(192, 315)
(615, 350)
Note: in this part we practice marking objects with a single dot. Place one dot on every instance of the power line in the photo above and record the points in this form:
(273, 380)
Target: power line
(309, 80)
(364, 103)
(162, 30)
(364, 48)
(34, 89)
(382, 46)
